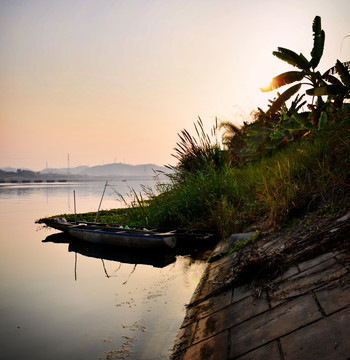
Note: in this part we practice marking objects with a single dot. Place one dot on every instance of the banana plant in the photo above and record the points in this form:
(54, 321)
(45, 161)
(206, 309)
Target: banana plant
(338, 89)
(306, 73)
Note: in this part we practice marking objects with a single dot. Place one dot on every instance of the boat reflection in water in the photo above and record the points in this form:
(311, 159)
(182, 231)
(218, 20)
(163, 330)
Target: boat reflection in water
(155, 258)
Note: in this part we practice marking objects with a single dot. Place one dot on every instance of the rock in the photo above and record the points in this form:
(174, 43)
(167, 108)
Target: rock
(224, 246)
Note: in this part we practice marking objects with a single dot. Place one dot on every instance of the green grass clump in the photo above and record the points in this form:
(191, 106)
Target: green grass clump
(112, 216)
(241, 244)
(308, 173)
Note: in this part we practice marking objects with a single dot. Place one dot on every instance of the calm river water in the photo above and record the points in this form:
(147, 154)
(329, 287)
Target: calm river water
(62, 301)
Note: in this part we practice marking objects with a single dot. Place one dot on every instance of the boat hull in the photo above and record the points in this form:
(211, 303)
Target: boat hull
(123, 238)
(109, 235)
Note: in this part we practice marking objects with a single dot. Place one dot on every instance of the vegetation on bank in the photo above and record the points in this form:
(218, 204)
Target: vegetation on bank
(288, 160)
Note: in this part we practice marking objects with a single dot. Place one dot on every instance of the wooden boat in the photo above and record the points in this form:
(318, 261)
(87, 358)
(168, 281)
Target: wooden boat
(140, 238)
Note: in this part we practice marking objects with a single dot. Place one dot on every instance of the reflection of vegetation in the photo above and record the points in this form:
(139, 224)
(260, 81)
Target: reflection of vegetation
(284, 162)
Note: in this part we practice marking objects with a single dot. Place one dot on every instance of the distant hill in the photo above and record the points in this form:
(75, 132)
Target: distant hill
(18, 175)
(73, 171)
(124, 170)
(12, 169)
(115, 170)
(106, 172)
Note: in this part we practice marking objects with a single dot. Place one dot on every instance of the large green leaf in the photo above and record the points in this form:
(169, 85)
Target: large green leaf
(304, 122)
(284, 79)
(319, 38)
(344, 73)
(292, 58)
(333, 69)
(291, 125)
(277, 135)
(331, 79)
(323, 120)
(277, 104)
(329, 90)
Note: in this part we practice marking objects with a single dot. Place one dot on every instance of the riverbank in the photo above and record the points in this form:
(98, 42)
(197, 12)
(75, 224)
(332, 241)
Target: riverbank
(283, 297)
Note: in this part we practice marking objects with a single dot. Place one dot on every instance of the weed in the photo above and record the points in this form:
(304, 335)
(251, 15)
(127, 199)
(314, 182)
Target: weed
(241, 244)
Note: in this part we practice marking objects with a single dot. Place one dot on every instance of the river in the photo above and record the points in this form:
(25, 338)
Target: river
(60, 301)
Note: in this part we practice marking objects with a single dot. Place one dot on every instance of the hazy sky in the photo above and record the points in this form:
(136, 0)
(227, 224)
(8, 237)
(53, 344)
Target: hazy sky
(115, 81)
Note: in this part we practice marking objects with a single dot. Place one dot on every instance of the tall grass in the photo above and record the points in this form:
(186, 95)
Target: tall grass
(311, 172)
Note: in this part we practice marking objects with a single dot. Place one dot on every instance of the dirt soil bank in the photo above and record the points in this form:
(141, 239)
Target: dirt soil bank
(284, 297)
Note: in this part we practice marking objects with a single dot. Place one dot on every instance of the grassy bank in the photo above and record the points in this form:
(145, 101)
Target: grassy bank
(310, 174)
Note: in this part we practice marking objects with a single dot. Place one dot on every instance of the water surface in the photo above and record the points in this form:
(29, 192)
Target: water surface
(72, 301)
